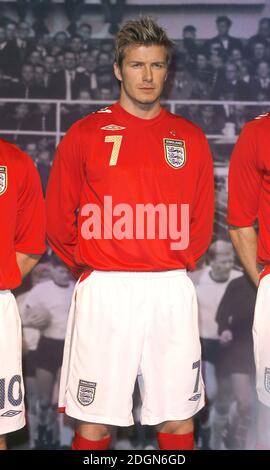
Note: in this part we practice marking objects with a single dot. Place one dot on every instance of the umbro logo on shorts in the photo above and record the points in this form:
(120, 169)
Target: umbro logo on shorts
(86, 392)
(10, 413)
(267, 379)
(195, 397)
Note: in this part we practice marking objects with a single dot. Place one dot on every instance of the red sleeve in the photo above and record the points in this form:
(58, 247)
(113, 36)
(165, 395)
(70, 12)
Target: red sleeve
(202, 216)
(30, 220)
(63, 197)
(245, 179)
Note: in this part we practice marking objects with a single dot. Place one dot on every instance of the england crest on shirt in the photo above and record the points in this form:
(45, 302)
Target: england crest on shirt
(86, 392)
(3, 179)
(175, 152)
(267, 379)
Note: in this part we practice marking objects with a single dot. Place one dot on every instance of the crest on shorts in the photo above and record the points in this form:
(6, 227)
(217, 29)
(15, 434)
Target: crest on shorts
(267, 379)
(86, 392)
(3, 179)
(175, 152)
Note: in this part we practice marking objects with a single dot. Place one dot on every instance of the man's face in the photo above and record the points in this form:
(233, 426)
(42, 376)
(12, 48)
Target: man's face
(11, 31)
(44, 108)
(263, 70)
(39, 74)
(143, 73)
(49, 64)
(259, 50)
(21, 110)
(24, 30)
(60, 276)
(221, 266)
(31, 149)
(70, 61)
(76, 45)
(28, 73)
(223, 28)
(208, 112)
(231, 72)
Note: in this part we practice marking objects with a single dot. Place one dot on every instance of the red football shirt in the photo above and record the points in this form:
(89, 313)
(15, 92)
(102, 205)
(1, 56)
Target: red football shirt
(114, 156)
(249, 182)
(22, 212)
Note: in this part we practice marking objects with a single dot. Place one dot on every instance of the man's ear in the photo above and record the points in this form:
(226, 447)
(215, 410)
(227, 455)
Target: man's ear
(117, 71)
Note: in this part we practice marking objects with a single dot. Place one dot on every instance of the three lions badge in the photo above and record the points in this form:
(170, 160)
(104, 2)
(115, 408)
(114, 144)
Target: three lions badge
(3, 179)
(175, 152)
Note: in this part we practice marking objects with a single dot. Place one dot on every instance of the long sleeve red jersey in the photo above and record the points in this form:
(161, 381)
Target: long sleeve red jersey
(22, 212)
(110, 168)
(249, 182)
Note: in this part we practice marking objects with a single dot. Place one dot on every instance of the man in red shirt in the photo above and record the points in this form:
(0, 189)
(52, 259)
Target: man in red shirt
(130, 208)
(249, 200)
(22, 241)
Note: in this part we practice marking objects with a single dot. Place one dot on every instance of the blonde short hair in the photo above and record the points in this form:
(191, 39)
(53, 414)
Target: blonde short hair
(142, 31)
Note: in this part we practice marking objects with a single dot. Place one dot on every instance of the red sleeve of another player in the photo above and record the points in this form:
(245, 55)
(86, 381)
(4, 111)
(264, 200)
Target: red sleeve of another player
(30, 220)
(63, 196)
(245, 180)
(202, 215)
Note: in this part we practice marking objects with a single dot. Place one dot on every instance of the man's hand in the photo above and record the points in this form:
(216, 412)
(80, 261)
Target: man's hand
(225, 337)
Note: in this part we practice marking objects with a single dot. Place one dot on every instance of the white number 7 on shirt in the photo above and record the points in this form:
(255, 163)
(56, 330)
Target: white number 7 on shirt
(116, 139)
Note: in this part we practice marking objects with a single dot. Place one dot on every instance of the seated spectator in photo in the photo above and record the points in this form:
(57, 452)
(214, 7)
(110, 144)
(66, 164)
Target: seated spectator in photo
(56, 50)
(66, 83)
(104, 58)
(26, 87)
(85, 32)
(210, 121)
(190, 47)
(113, 13)
(262, 36)
(76, 44)
(244, 72)
(82, 58)
(217, 69)
(258, 53)
(17, 119)
(35, 58)
(236, 56)
(183, 84)
(40, 75)
(61, 40)
(231, 84)
(223, 42)
(107, 86)
(25, 41)
(59, 63)
(261, 82)
(203, 71)
(76, 112)
(91, 73)
(43, 118)
(31, 148)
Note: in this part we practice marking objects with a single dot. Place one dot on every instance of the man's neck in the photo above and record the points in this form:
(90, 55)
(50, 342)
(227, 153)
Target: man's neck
(140, 110)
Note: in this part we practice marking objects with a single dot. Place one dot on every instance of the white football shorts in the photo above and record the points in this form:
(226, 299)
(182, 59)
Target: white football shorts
(125, 324)
(12, 412)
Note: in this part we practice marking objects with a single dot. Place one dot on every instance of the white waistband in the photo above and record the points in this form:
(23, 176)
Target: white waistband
(141, 274)
(4, 292)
